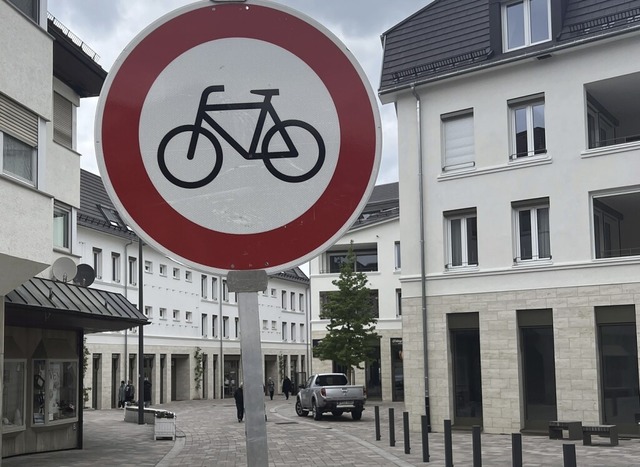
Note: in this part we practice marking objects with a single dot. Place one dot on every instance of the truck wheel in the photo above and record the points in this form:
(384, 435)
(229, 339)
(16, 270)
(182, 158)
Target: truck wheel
(337, 413)
(317, 415)
(356, 414)
(299, 410)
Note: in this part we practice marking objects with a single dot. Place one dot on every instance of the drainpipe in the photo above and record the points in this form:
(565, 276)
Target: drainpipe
(423, 273)
(126, 331)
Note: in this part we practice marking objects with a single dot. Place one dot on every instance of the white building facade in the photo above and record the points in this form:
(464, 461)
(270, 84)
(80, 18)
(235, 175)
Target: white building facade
(518, 131)
(194, 319)
(375, 237)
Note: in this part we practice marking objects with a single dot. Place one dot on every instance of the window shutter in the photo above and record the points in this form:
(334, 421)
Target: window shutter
(458, 141)
(62, 121)
(18, 121)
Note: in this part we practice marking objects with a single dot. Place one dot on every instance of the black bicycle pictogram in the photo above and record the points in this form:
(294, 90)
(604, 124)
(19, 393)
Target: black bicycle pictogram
(280, 127)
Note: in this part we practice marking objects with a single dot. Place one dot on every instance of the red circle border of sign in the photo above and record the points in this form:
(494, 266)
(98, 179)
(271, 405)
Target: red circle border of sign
(168, 228)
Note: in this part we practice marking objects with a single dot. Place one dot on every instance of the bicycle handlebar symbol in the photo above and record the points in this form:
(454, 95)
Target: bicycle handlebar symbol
(280, 127)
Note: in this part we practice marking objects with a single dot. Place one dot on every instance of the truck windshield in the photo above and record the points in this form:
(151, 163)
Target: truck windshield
(332, 380)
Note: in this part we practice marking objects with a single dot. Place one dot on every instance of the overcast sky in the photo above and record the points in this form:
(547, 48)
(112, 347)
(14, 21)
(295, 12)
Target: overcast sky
(108, 26)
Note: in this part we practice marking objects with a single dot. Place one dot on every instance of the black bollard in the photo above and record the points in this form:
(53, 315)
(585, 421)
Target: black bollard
(424, 420)
(448, 445)
(569, 455)
(516, 449)
(405, 426)
(477, 448)
(376, 413)
(392, 428)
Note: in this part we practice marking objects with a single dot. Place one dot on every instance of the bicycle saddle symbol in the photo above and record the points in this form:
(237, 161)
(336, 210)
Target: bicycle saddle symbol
(280, 127)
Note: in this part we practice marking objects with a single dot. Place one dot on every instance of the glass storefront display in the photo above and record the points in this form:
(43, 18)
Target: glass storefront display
(55, 390)
(13, 390)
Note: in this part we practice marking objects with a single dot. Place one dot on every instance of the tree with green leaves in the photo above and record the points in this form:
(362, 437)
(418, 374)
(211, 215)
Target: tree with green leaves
(351, 335)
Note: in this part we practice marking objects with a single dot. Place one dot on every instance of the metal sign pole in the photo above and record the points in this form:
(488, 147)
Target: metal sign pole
(247, 284)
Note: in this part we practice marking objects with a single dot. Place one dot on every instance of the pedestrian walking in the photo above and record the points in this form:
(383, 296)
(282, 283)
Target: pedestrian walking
(286, 386)
(271, 386)
(129, 393)
(147, 392)
(121, 399)
(238, 395)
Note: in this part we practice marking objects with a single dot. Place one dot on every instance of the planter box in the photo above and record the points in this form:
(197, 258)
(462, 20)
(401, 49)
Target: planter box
(164, 428)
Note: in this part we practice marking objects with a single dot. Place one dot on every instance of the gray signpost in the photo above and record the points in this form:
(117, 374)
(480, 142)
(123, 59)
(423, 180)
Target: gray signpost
(247, 284)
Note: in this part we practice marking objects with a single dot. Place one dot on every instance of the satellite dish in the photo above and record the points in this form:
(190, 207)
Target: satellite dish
(85, 275)
(63, 269)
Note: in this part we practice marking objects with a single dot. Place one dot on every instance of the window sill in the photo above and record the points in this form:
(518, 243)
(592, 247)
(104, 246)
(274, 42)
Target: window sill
(461, 269)
(608, 150)
(533, 263)
(12, 430)
(529, 162)
(529, 159)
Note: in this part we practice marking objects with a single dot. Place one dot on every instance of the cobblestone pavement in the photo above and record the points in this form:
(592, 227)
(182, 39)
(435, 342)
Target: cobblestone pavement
(208, 434)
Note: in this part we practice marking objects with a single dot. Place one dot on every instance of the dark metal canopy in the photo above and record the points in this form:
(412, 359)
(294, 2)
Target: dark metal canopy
(61, 305)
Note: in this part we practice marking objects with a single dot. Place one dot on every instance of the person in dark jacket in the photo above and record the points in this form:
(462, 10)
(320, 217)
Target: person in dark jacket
(121, 398)
(129, 393)
(286, 386)
(238, 395)
(147, 392)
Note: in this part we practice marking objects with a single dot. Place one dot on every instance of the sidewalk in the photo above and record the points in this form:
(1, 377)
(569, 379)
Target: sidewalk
(209, 435)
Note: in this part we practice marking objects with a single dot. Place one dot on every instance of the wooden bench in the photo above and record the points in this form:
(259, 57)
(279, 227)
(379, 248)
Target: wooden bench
(602, 430)
(556, 428)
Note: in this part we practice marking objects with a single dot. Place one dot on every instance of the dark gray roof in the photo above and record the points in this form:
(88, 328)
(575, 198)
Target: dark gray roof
(383, 204)
(294, 275)
(458, 35)
(53, 304)
(97, 212)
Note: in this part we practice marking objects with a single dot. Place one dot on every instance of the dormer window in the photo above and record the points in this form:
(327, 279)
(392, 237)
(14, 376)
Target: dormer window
(525, 23)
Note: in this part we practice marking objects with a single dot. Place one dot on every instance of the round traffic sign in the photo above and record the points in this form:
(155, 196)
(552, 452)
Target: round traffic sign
(238, 136)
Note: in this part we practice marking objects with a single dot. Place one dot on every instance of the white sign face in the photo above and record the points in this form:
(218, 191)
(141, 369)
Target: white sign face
(238, 136)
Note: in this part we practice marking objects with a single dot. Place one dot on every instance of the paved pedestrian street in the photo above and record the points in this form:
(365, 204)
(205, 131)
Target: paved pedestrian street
(208, 434)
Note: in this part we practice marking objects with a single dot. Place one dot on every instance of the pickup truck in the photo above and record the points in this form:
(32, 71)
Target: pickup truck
(330, 392)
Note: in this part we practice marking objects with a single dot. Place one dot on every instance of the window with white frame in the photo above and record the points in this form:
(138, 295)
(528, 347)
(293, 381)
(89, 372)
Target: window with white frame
(302, 334)
(18, 141)
(284, 331)
(265, 325)
(97, 262)
(525, 23)
(532, 230)
(214, 325)
(616, 224)
(188, 316)
(274, 325)
(115, 267)
(148, 267)
(148, 311)
(293, 332)
(293, 301)
(398, 303)
(273, 292)
(237, 327)
(176, 315)
(301, 302)
(176, 273)
(225, 291)
(225, 327)
(214, 288)
(61, 227)
(396, 253)
(62, 121)
(204, 284)
(528, 134)
(458, 143)
(133, 270)
(283, 297)
(163, 313)
(187, 276)
(163, 270)
(601, 126)
(462, 238)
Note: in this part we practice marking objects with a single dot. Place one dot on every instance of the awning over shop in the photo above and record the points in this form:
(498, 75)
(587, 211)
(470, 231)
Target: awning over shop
(62, 305)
